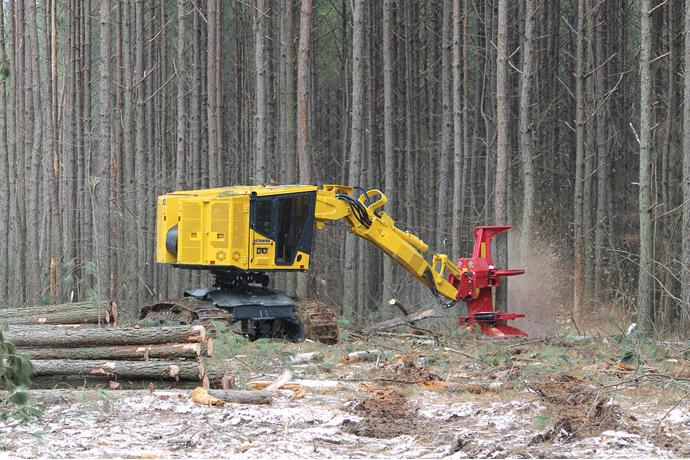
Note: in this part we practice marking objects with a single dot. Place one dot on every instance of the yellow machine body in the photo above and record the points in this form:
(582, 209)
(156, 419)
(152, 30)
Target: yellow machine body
(236, 228)
(270, 228)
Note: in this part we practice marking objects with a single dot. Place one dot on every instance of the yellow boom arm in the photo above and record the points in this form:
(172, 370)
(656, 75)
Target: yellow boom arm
(367, 220)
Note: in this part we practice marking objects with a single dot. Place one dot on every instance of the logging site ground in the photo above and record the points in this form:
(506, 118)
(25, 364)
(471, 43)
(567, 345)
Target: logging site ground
(397, 394)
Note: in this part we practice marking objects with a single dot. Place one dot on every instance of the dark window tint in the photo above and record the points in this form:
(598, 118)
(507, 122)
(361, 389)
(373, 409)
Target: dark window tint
(293, 213)
(263, 220)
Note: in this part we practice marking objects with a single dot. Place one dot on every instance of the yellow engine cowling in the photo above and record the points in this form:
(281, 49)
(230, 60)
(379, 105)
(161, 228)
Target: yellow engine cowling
(259, 228)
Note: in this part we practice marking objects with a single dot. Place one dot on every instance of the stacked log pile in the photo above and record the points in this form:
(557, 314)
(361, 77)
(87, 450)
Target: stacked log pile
(64, 341)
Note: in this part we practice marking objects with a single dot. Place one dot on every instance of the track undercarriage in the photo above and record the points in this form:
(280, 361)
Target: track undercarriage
(245, 298)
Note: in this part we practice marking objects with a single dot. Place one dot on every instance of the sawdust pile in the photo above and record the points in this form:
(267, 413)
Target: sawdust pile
(385, 413)
(578, 410)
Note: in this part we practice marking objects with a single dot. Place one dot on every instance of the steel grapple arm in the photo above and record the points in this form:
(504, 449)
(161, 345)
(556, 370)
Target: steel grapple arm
(470, 280)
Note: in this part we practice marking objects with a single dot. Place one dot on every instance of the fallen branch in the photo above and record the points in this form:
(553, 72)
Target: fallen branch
(282, 380)
(395, 322)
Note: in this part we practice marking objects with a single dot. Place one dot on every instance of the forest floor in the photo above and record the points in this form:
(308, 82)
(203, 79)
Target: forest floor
(413, 396)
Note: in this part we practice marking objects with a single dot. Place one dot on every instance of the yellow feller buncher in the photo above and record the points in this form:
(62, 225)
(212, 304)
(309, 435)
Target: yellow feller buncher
(241, 234)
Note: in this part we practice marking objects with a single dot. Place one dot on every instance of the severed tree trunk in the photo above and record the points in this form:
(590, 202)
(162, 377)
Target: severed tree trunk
(525, 129)
(154, 369)
(62, 396)
(92, 316)
(502, 148)
(82, 312)
(395, 322)
(685, 257)
(145, 352)
(51, 337)
(645, 285)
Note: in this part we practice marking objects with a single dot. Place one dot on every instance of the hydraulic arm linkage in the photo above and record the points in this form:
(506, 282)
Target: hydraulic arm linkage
(469, 279)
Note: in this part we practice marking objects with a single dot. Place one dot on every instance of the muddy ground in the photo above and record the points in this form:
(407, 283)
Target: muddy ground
(414, 396)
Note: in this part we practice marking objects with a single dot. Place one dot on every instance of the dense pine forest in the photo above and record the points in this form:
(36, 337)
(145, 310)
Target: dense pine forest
(569, 120)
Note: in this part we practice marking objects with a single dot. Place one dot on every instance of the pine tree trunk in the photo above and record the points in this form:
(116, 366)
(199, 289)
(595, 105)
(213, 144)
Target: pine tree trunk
(102, 192)
(351, 282)
(645, 286)
(260, 63)
(502, 148)
(685, 257)
(445, 166)
(389, 163)
(526, 132)
(578, 283)
(601, 225)
(458, 133)
(304, 113)
(4, 163)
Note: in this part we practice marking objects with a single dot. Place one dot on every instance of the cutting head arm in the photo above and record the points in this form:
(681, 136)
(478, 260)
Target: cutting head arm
(470, 280)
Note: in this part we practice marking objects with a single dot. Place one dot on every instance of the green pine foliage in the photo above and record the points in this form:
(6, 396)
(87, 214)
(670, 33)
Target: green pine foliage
(15, 372)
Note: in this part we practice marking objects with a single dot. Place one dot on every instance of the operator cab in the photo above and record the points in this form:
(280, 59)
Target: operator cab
(283, 228)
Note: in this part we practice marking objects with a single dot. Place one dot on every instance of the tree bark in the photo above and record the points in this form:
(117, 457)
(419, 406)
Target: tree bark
(303, 91)
(351, 283)
(445, 167)
(51, 337)
(260, 38)
(685, 243)
(86, 309)
(578, 283)
(101, 204)
(645, 286)
(458, 132)
(59, 317)
(502, 148)
(389, 161)
(154, 369)
(601, 224)
(526, 132)
(130, 352)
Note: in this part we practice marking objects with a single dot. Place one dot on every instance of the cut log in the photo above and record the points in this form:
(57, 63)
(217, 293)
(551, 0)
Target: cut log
(364, 355)
(144, 352)
(50, 337)
(395, 322)
(218, 374)
(304, 358)
(207, 348)
(314, 385)
(69, 313)
(61, 396)
(154, 369)
(401, 307)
